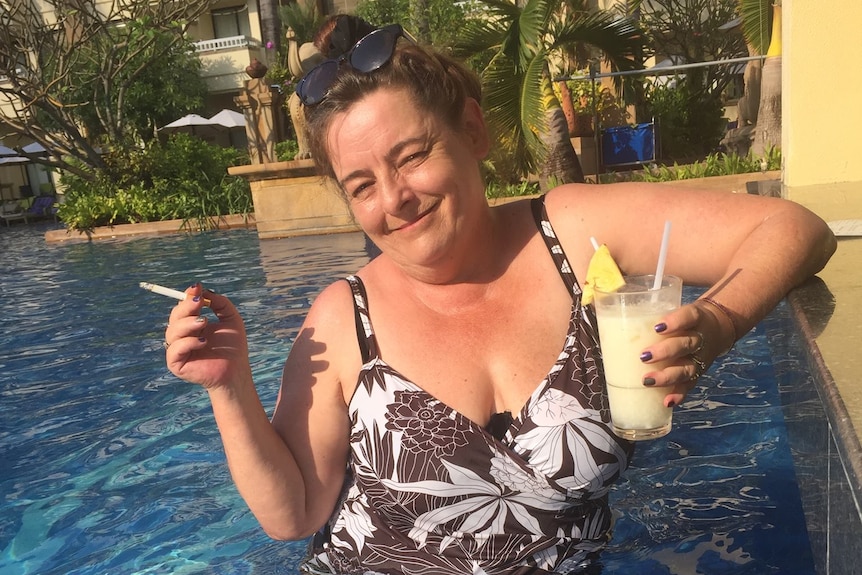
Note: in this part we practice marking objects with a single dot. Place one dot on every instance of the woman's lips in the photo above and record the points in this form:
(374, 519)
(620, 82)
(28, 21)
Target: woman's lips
(418, 218)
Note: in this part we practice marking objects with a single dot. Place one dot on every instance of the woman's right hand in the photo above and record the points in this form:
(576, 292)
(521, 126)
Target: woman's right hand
(211, 353)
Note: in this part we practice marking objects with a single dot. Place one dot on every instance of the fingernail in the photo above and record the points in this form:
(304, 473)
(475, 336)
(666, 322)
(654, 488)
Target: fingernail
(202, 339)
(646, 356)
(671, 403)
(660, 327)
(196, 299)
(649, 382)
(200, 319)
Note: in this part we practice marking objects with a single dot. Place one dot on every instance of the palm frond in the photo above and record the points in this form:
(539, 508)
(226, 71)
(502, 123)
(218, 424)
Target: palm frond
(532, 26)
(619, 39)
(478, 36)
(756, 23)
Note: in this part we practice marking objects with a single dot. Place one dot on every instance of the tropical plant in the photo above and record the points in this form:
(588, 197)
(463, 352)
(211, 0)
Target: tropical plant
(186, 179)
(523, 111)
(436, 22)
(689, 121)
(73, 78)
(692, 31)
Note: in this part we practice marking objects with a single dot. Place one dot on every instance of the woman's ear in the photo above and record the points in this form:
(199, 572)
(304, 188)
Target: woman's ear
(473, 124)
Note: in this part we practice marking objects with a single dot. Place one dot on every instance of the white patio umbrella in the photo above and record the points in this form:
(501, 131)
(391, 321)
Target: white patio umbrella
(6, 151)
(193, 124)
(35, 148)
(229, 119)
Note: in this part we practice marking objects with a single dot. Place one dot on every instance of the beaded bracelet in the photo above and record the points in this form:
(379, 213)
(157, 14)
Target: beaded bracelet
(728, 315)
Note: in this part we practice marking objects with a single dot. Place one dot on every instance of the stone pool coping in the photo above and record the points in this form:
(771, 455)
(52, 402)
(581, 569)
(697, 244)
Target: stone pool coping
(147, 229)
(811, 309)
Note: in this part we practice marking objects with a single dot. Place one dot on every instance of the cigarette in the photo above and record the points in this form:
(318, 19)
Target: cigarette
(166, 291)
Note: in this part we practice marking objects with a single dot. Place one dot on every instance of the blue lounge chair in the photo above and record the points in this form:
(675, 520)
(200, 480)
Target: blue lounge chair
(42, 207)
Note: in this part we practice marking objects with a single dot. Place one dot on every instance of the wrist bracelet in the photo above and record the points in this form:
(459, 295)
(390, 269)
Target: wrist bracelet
(729, 317)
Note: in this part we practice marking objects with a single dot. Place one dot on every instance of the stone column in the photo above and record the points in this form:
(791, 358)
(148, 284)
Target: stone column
(262, 107)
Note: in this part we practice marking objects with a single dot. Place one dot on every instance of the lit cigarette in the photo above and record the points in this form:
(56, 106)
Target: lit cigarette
(166, 291)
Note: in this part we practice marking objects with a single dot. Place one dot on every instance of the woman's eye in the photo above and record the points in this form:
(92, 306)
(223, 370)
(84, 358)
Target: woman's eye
(360, 190)
(415, 157)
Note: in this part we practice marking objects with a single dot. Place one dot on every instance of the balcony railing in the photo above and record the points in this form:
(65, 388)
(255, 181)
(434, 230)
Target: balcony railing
(230, 43)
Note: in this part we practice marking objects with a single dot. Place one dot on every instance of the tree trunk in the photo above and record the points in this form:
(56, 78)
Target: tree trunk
(568, 106)
(561, 164)
(768, 132)
(270, 28)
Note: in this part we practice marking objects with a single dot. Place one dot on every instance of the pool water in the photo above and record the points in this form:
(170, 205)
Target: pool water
(112, 465)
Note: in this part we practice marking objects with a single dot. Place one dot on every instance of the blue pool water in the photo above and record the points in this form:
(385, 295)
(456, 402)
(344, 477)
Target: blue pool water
(112, 465)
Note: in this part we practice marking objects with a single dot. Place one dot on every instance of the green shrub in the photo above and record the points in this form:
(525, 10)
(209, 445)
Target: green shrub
(185, 178)
(719, 164)
(690, 124)
(286, 150)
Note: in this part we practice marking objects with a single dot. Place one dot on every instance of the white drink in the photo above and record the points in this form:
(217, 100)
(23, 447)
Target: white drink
(627, 320)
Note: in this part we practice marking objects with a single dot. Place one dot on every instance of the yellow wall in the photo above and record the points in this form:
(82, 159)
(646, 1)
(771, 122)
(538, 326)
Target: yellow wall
(821, 85)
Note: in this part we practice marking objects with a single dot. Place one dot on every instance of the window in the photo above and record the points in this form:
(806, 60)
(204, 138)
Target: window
(228, 22)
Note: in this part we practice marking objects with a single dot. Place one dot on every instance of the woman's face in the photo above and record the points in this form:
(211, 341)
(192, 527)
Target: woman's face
(413, 182)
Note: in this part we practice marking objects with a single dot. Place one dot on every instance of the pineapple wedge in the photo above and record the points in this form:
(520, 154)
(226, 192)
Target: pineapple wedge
(602, 273)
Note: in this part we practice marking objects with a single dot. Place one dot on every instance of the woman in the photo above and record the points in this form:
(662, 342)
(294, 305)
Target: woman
(443, 410)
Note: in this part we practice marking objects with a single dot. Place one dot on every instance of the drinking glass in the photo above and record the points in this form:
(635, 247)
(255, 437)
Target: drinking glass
(627, 319)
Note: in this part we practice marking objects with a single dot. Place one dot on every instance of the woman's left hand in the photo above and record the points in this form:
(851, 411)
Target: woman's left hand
(692, 338)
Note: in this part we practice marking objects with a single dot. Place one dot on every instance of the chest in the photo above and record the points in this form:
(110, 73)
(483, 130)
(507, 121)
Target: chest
(483, 360)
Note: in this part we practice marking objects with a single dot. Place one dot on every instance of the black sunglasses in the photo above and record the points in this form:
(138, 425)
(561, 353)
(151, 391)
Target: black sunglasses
(369, 54)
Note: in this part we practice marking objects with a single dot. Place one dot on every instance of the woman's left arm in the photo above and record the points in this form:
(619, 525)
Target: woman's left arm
(750, 251)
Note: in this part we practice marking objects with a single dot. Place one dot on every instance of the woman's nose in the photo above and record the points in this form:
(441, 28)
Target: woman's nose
(395, 194)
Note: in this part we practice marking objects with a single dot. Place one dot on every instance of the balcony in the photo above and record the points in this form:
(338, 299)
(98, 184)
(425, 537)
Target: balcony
(224, 61)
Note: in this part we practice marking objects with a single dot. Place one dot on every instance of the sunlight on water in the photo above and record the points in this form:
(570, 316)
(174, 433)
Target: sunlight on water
(112, 465)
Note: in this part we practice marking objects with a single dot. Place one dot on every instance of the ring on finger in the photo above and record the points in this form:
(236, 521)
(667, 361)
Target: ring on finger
(166, 344)
(700, 342)
(699, 366)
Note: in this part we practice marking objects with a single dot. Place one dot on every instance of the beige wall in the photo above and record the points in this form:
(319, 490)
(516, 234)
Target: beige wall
(821, 85)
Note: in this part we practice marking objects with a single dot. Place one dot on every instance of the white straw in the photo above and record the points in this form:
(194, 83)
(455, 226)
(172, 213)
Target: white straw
(662, 256)
(595, 243)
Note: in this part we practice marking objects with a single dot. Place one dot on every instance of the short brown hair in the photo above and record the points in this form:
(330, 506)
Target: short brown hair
(438, 84)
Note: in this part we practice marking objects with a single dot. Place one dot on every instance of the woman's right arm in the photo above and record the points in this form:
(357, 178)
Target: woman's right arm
(290, 470)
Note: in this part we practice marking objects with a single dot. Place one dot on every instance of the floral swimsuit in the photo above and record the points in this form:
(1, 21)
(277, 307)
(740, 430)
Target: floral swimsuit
(431, 492)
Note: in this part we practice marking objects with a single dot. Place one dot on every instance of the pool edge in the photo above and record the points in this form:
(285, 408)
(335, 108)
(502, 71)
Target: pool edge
(845, 435)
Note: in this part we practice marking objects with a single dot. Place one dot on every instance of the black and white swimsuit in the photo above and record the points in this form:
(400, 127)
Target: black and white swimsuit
(431, 492)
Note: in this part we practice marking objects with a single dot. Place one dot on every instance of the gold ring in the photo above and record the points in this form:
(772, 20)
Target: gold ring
(699, 344)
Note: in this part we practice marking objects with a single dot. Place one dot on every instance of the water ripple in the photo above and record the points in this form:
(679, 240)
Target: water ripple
(112, 465)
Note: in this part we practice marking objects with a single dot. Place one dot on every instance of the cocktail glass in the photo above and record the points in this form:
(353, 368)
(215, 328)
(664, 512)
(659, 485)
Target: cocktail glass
(627, 319)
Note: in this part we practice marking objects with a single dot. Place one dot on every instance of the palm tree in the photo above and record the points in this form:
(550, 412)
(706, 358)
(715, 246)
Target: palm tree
(522, 108)
(761, 27)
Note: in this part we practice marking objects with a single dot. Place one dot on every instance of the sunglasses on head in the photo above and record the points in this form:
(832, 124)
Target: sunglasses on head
(369, 54)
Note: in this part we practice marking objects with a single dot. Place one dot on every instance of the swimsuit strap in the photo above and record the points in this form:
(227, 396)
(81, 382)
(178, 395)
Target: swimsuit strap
(540, 215)
(364, 331)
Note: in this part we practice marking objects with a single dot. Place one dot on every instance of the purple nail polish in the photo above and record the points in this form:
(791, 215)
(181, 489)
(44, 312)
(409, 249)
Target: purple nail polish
(646, 356)
(197, 298)
(660, 327)
(671, 403)
(202, 339)
(649, 382)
